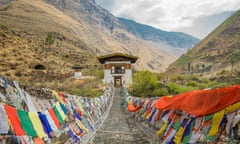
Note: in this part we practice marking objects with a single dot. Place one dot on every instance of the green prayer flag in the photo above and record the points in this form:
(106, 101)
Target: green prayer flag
(208, 117)
(177, 125)
(58, 115)
(26, 123)
(188, 137)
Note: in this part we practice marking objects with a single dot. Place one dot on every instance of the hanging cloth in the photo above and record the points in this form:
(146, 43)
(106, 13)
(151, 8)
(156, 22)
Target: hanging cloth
(61, 112)
(26, 123)
(179, 133)
(232, 108)
(50, 120)
(62, 97)
(28, 101)
(3, 120)
(201, 102)
(79, 123)
(46, 126)
(15, 122)
(216, 121)
(54, 117)
(188, 131)
(63, 108)
(57, 113)
(73, 136)
(38, 140)
(25, 140)
(57, 96)
(37, 124)
(160, 132)
(3, 82)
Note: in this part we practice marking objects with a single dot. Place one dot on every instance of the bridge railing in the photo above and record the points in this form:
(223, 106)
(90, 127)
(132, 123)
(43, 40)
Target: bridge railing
(73, 116)
(178, 126)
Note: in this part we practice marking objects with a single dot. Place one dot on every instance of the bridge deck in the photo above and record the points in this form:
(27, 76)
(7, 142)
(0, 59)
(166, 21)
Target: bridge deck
(119, 128)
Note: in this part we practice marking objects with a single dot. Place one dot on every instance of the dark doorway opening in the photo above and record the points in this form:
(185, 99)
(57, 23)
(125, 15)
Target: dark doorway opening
(117, 81)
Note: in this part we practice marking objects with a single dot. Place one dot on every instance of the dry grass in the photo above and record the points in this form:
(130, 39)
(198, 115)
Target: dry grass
(24, 25)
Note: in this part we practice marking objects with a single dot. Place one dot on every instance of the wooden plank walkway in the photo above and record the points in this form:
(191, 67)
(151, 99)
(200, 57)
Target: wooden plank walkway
(119, 128)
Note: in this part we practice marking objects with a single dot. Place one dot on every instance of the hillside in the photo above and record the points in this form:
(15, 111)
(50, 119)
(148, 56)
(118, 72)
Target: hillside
(174, 39)
(79, 31)
(218, 53)
(24, 28)
(5, 1)
(109, 35)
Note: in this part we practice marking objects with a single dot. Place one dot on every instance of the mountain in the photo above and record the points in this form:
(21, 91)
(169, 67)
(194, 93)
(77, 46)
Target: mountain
(5, 1)
(175, 39)
(218, 53)
(41, 40)
(106, 34)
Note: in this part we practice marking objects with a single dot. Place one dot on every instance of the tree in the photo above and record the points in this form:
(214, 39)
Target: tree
(189, 67)
(49, 40)
(144, 84)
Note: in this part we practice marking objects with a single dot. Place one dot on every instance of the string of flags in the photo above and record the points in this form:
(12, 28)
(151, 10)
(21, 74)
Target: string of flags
(69, 114)
(198, 116)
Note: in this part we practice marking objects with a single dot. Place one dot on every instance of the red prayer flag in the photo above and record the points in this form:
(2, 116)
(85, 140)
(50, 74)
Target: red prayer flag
(54, 117)
(15, 122)
(62, 97)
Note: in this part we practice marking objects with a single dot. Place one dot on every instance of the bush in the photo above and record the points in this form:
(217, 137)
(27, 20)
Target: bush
(192, 84)
(49, 40)
(144, 84)
(160, 92)
(177, 89)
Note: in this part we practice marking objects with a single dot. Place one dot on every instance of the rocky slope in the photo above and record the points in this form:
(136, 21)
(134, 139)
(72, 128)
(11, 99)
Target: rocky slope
(173, 42)
(41, 40)
(219, 52)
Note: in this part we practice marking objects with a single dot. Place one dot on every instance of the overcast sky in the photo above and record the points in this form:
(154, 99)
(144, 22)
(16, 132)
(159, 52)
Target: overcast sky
(195, 17)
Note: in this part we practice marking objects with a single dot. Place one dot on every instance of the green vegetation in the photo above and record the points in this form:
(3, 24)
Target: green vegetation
(4, 27)
(90, 87)
(148, 84)
(234, 57)
(49, 40)
(144, 84)
(87, 87)
(184, 59)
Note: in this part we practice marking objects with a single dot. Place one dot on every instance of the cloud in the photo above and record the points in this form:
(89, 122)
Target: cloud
(107, 4)
(202, 26)
(169, 14)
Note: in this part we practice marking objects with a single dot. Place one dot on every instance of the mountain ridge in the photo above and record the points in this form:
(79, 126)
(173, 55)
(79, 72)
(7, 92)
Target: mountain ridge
(81, 30)
(217, 53)
(25, 25)
(175, 39)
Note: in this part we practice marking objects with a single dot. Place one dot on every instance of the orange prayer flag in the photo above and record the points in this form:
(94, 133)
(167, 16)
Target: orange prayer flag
(132, 108)
(201, 102)
(38, 141)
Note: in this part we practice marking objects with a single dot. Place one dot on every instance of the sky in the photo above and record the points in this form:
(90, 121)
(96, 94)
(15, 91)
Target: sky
(195, 17)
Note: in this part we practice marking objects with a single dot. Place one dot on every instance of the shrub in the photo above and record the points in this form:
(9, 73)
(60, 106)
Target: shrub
(177, 89)
(144, 84)
(49, 40)
(192, 84)
(160, 92)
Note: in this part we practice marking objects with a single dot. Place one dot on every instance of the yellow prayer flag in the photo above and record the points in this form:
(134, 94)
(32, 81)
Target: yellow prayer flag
(36, 124)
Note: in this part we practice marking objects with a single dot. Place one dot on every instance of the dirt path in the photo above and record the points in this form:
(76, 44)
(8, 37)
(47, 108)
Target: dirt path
(119, 128)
